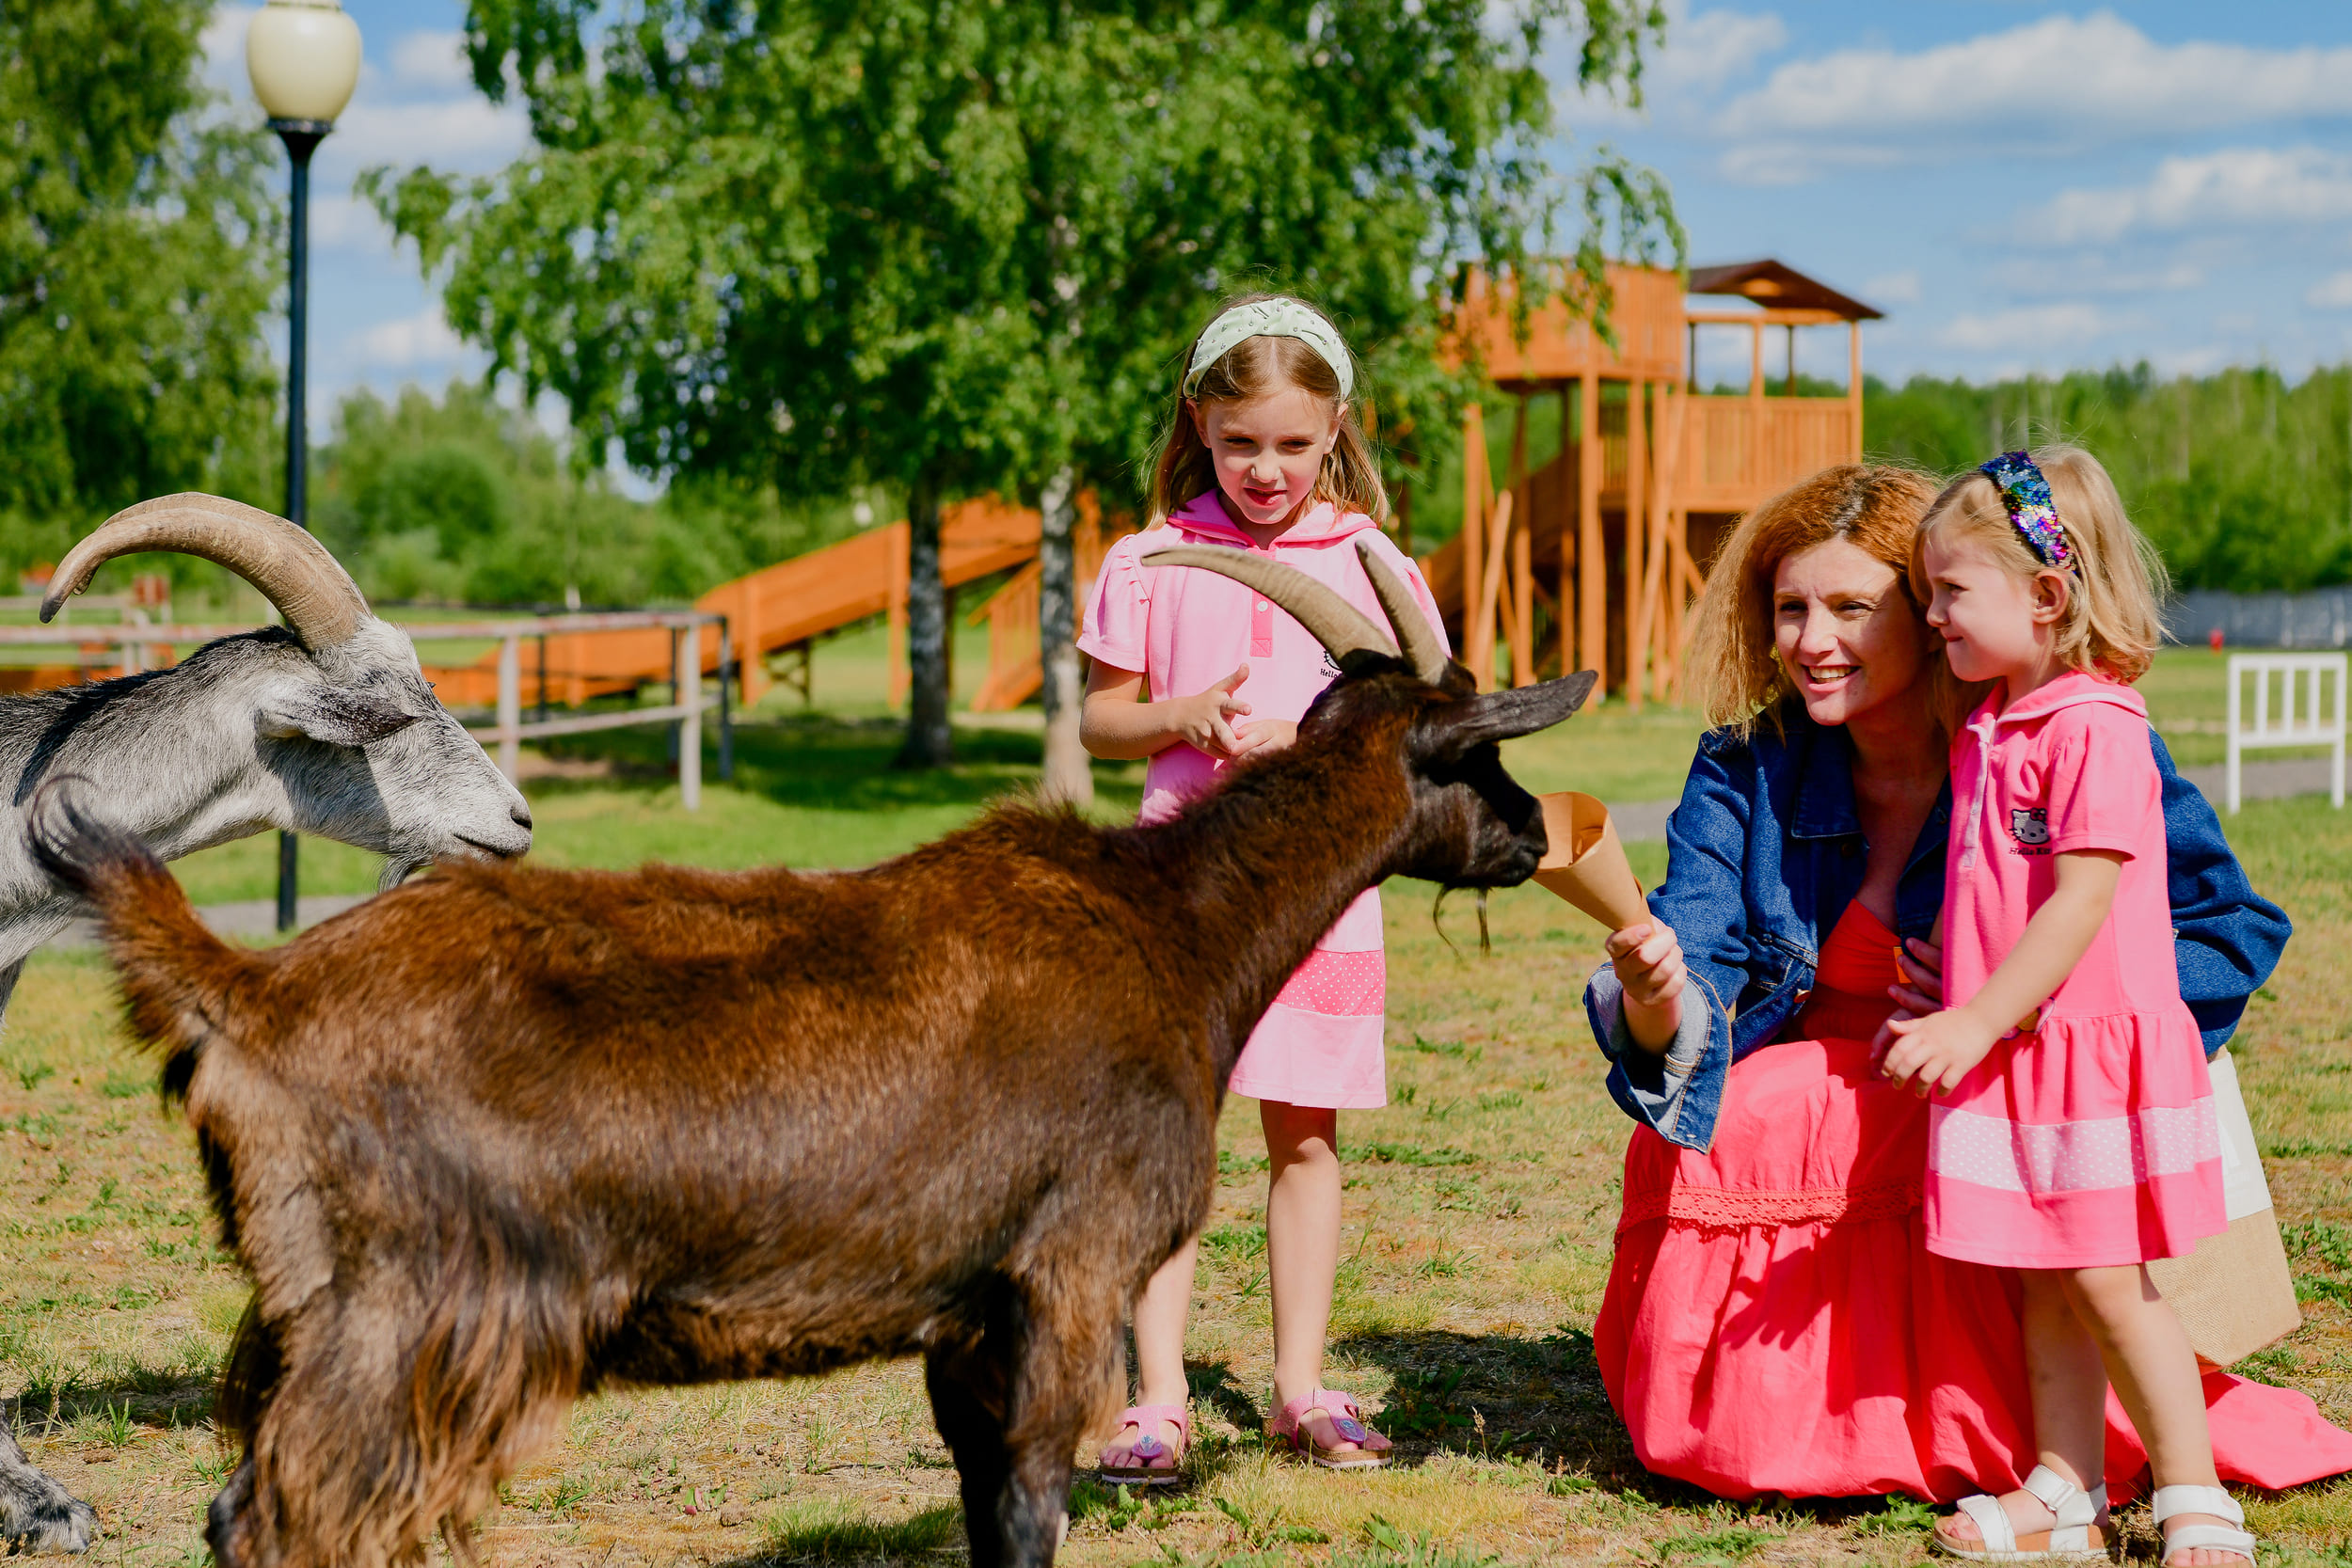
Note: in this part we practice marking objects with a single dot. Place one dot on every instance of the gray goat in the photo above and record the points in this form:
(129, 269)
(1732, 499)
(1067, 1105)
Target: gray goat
(323, 725)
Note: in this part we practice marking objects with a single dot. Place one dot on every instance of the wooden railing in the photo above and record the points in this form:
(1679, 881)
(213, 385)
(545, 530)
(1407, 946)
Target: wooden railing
(1735, 449)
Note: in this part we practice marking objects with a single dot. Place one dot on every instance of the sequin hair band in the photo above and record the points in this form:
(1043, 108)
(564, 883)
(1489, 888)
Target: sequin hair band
(2031, 511)
(1280, 317)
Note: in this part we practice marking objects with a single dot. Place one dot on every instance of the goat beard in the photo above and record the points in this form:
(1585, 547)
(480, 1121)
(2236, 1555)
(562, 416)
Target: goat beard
(1437, 920)
(398, 868)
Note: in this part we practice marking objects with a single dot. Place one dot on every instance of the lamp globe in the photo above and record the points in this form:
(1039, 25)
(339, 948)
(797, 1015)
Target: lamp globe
(304, 59)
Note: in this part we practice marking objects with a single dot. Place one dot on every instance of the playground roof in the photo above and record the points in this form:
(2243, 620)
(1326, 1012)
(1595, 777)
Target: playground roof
(1777, 287)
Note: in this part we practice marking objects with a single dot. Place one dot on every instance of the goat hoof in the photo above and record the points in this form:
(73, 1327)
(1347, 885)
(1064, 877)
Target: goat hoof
(39, 1515)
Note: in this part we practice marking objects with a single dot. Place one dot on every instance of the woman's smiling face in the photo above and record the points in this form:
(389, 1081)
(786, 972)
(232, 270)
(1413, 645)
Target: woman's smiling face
(1846, 631)
(1268, 450)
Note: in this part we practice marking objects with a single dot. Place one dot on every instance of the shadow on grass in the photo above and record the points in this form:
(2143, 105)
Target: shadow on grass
(820, 761)
(836, 1530)
(1505, 1398)
(163, 1398)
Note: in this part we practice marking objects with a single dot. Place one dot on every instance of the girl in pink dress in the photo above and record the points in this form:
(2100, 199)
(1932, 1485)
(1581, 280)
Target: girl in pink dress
(2073, 1135)
(1265, 454)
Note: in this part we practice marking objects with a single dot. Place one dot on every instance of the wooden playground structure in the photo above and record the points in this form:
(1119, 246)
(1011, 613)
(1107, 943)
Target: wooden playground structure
(1588, 559)
(1591, 560)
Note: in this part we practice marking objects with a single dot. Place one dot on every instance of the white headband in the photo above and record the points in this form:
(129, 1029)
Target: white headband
(1271, 318)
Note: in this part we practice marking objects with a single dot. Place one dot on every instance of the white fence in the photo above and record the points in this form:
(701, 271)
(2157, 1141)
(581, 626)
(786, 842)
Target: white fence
(138, 646)
(2301, 716)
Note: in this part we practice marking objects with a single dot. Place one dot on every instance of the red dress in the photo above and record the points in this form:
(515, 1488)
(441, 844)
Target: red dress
(1774, 1321)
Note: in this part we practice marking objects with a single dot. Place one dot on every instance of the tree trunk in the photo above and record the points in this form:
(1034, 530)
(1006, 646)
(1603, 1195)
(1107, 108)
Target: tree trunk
(1068, 775)
(929, 742)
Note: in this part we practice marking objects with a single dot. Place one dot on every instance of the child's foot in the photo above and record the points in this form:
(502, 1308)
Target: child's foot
(2212, 1536)
(1150, 1447)
(2201, 1556)
(2035, 1527)
(1328, 1429)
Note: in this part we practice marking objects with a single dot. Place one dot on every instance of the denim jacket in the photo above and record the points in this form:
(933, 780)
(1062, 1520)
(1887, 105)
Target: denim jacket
(1765, 851)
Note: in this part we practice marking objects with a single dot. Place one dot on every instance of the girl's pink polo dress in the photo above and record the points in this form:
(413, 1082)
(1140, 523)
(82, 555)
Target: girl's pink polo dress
(1320, 1043)
(2091, 1140)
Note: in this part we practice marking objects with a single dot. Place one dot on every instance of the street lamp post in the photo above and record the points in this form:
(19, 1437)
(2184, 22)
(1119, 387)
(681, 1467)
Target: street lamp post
(303, 56)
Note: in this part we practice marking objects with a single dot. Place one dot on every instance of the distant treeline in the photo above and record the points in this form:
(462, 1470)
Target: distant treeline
(464, 500)
(2244, 482)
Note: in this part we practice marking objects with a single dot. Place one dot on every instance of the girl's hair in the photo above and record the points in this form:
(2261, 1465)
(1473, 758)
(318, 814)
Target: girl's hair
(2115, 579)
(1184, 470)
(1734, 673)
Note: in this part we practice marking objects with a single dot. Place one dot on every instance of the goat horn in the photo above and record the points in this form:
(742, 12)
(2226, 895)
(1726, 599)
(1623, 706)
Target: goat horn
(294, 571)
(1339, 626)
(1413, 633)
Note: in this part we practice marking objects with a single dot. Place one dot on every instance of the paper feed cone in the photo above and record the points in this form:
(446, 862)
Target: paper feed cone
(1586, 864)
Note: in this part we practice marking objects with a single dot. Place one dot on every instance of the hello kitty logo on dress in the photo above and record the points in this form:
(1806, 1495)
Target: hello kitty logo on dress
(2029, 825)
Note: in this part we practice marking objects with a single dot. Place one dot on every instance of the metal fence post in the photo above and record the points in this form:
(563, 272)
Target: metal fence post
(689, 688)
(510, 704)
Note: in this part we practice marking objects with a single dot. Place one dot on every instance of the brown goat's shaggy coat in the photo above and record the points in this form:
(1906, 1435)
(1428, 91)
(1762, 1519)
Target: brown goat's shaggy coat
(508, 1135)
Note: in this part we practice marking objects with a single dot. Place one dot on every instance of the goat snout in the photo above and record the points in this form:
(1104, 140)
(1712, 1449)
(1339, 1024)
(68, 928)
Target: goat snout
(506, 851)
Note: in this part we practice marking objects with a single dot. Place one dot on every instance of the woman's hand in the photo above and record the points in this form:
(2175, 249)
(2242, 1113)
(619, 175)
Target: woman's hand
(1647, 958)
(1921, 966)
(1204, 719)
(1936, 1052)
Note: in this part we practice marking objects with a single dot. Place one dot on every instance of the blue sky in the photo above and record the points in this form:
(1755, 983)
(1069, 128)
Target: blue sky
(2021, 187)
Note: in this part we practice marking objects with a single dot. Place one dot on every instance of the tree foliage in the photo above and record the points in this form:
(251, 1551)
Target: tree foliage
(138, 256)
(953, 246)
(804, 241)
(2242, 480)
(464, 500)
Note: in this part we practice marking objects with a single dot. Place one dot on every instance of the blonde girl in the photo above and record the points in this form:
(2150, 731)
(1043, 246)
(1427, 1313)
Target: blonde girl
(2073, 1135)
(1263, 455)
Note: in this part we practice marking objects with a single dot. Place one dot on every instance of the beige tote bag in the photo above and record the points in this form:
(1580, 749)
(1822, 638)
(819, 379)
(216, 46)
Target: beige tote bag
(2235, 1294)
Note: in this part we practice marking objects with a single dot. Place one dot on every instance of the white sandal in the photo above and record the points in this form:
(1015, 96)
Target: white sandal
(2213, 1538)
(2077, 1537)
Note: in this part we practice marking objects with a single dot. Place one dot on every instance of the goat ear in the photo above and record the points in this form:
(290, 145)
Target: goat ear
(1507, 715)
(335, 715)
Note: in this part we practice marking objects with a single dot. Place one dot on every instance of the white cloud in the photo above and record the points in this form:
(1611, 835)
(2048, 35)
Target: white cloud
(223, 44)
(2333, 293)
(2044, 87)
(339, 222)
(427, 61)
(2036, 327)
(1706, 50)
(1894, 288)
(422, 339)
(1702, 54)
(2236, 187)
(465, 135)
(2094, 274)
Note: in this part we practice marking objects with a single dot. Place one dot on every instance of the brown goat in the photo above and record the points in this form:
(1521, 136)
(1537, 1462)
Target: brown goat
(505, 1135)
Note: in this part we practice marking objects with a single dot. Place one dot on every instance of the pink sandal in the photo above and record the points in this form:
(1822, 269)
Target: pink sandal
(1371, 1451)
(1147, 1461)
